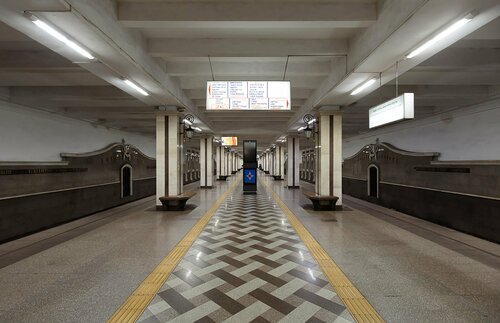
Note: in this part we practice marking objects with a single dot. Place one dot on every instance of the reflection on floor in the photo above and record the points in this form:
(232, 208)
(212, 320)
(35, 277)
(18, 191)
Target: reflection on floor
(247, 265)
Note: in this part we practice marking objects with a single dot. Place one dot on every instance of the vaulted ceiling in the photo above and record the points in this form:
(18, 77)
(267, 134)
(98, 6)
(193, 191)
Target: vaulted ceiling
(171, 48)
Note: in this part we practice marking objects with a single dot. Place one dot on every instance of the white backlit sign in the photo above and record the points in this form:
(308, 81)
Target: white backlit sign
(394, 110)
(248, 95)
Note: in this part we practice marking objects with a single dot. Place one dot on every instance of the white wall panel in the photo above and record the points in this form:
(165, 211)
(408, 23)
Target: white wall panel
(32, 135)
(471, 133)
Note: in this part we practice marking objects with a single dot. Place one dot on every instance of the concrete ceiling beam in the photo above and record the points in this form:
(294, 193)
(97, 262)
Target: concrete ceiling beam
(50, 78)
(159, 14)
(159, 47)
(419, 77)
(464, 58)
(70, 92)
(120, 52)
(29, 59)
(221, 68)
(377, 49)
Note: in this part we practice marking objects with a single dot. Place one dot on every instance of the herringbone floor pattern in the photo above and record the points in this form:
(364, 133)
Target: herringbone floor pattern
(248, 265)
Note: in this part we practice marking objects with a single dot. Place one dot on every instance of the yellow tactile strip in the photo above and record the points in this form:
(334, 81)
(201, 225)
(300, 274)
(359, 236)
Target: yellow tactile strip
(138, 301)
(358, 306)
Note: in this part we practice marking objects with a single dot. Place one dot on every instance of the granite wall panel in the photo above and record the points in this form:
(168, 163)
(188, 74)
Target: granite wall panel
(464, 196)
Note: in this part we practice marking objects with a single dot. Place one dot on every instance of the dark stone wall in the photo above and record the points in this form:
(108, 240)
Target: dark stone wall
(35, 197)
(473, 215)
(462, 196)
(24, 215)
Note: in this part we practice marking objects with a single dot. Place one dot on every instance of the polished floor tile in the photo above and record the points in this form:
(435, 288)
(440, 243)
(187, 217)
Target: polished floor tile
(248, 265)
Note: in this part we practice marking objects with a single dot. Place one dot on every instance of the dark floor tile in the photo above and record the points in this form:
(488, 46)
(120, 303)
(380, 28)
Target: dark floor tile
(259, 319)
(271, 301)
(231, 261)
(188, 277)
(234, 249)
(261, 239)
(224, 301)
(320, 301)
(278, 282)
(176, 301)
(265, 261)
(229, 278)
(314, 320)
(204, 319)
(305, 276)
(203, 249)
(264, 249)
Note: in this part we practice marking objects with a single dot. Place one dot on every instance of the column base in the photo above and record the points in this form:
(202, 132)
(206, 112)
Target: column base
(206, 186)
(293, 187)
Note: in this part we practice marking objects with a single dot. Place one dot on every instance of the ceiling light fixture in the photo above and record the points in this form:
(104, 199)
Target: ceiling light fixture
(457, 25)
(308, 132)
(59, 36)
(363, 86)
(136, 87)
(189, 132)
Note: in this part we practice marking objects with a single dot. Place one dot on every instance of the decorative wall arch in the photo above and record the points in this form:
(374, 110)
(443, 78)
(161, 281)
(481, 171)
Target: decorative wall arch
(373, 180)
(126, 181)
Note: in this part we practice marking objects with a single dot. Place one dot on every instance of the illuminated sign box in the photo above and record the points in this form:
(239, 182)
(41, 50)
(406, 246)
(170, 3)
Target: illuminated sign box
(400, 108)
(229, 141)
(248, 95)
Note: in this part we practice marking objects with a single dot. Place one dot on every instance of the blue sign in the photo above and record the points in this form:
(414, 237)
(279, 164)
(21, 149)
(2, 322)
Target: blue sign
(249, 176)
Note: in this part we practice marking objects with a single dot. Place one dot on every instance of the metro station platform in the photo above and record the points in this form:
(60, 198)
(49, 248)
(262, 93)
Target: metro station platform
(264, 257)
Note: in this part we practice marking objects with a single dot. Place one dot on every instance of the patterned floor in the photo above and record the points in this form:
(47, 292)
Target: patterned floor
(248, 265)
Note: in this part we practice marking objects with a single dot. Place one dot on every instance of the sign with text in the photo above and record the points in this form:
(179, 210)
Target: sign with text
(229, 141)
(397, 109)
(248, 95)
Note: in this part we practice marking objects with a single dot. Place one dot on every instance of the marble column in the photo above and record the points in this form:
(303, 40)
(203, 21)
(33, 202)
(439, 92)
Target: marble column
(293, 162)
(219, 160)
(206, 162)
(169, 154)
(279, 162)
(271, 162)
(230, 156)
(329, 153)
(225, 159)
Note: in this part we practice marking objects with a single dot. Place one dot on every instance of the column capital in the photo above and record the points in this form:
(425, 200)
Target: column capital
(329, 110)
(167, 110)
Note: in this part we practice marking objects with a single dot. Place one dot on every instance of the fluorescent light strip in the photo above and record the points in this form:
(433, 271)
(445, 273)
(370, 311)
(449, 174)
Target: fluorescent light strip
(363, 86)
(440, 36)
(136, 87)
(311, 121)
(197, 129)
(57, 35)
(301, 128)
(188, 122)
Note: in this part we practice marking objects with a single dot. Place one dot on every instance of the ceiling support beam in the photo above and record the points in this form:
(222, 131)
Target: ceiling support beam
(157, 14)
(161, 47)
